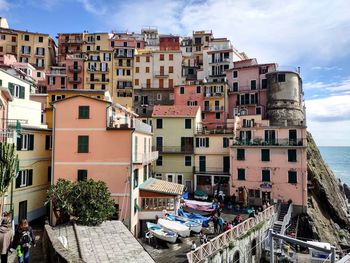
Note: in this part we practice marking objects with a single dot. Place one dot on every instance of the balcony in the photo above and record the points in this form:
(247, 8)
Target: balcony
(161, 74)
(272, 142)
(214, 94)
(96, 80)
(57, 72)
(217, 74)
(213, 109)
(124, 85)
(145, 158)
(98, 70)
(7, 135)
(211, 170)
(224, 60)
(187, 149)
(72, 41)
(74, 80)
(218, 130)
(75, 69)
(124, 123)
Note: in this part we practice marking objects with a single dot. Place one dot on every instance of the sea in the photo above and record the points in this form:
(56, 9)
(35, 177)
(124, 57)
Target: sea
(338, 159)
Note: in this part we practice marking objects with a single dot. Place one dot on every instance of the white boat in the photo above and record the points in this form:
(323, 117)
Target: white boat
(163, 234)
(191, 224)
(174, 226)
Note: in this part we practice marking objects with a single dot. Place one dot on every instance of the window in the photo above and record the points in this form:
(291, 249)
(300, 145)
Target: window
(25, 142)
(40, 62)
(48, 142)
(235, 86)
(265, 155)
(137, 59)
(170, 83)
(40, 51)
(225, 142)
(147, 59)
(171, 57)
(137, 82)
(161, 57)
(16, 90)
(258, 110)
(26, 37)
(281, 77)
(198, 89)
(159, 161)
(147, 69)
(217, 115)
(265, 175)
(98, 47)
(171, 69)
(182, 90)
(49, 174)
(179, 179)
(264, 83)
(136, 178)
(253, 84)
(144, 173)
(292, 155)
(159, 124)
(292, 177)
(84, 112)
(240, 154)
(240, 174)
(83, 144)
(137, 70)
(188, 123)
(188, 160)
(98, 37)
(235, 74)
(202, 142)
(82, 175)
(24, 178)
(159, 96)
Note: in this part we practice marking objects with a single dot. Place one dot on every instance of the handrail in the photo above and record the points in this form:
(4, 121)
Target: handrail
(223, 240)
(286, 219)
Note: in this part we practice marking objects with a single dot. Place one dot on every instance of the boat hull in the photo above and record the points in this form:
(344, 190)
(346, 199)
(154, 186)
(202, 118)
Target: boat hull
(176, 227)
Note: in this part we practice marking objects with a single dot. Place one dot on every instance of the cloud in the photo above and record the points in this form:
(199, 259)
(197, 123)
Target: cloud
(330, 134)
(94, 7)
(4, 5)
(332, 88)
(327, 68)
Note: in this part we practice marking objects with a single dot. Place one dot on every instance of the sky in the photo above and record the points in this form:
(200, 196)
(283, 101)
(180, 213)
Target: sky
(313, 35)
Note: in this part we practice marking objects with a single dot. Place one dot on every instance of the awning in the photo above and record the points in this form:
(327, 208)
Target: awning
(161, 186)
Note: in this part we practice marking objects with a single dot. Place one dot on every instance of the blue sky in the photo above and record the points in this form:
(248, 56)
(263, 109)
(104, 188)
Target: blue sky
(314, 35)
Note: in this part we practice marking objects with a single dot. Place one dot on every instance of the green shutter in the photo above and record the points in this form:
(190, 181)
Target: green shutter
(18, 179)
(84, 112)
(82, 175)
(83, 144)
(265, 155)
(292, 177)
(31, 142)
(21, 92)
(265, 175)
(241, 174)
(30, 177)
(19, 142)
(47, 142)
(0, 82)
(207, 142)
(11, 88)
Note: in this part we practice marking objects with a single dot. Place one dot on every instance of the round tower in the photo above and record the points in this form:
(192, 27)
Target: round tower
(285, 99)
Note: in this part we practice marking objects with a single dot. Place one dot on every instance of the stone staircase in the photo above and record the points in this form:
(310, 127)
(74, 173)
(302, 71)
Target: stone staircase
(277, 226)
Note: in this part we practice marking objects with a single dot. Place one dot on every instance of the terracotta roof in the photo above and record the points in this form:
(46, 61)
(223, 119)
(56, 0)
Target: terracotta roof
(161, 186)
(175, 111)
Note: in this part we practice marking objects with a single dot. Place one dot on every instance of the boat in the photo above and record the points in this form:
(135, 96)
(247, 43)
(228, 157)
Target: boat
(180, 229)
(193, 216)
(163, 234)
(201, 206)
(193, 225)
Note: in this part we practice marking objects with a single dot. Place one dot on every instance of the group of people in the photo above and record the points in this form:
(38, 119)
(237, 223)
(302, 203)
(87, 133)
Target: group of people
(20, 241)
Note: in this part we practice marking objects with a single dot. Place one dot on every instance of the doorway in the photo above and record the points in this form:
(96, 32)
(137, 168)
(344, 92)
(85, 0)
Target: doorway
(22, 214)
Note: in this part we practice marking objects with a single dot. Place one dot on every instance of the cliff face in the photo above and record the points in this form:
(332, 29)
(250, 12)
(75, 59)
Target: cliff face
(326, 219)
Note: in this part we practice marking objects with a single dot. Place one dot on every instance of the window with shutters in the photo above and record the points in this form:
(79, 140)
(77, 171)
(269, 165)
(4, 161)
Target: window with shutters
(136, 178)
(48, 142)
(159, 161)
(182, 90)
(292, 155)
(159, 123)
(49, 174)
(25, 142)
(198, 89)
(83, 144)
(82, 175)
(281, 77)
(265, 155)
(240, 154)
(24, 178)
(188, 160)
(253, 84)
(292, 177)
(235, 74)
(240, 174)
(161, 57)
(188, 123)
(16, 91)
(265, 175)
(171, 57)
(144, 173)
(225, 142)
(84, 112)
(202, 142)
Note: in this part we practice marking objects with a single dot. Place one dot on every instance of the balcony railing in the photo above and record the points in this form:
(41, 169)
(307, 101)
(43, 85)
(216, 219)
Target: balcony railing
(74, 80)
(161, 74)
(7, 135)
(275, 142)
(74, 69)
(224, 60)
(98, 70)
(128, 123)
(216, 108)
(211, 170)
(216, 130)
(145, 158)
(97, 80)
(187, 149)
(214, 94)
(11, 124)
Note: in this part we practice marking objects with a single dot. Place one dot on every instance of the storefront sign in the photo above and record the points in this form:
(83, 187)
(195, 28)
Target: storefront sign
(266, 185)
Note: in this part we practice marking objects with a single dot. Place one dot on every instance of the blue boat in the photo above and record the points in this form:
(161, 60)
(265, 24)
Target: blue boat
(193, 225)
(161, 233)
(204, 220)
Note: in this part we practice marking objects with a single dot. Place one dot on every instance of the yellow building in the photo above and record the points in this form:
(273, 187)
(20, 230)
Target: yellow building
(174, 128)
(35, 48)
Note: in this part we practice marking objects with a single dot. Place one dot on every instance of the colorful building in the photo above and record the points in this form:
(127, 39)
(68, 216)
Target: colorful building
(174, 129)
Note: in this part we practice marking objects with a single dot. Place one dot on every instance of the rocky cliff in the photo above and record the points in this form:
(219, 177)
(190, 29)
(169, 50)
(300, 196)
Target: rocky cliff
(326, 219)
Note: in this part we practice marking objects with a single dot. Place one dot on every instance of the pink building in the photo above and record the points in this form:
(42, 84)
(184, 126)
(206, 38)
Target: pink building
(247, 87)
(95, 139)
(268, 154)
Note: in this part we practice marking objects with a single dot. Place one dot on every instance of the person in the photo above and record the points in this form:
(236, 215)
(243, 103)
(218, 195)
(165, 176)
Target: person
(252, 214)
(5, 236)
(221, 224)
(264, 206)
(193, 246)
(23, 240)
(201, 237)
(205, 238)
(215, 222)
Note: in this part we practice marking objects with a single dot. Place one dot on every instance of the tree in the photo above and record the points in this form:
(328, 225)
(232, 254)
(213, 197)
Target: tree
(89, 201)
(8, 165)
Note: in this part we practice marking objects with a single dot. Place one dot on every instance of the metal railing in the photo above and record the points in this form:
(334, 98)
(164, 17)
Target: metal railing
(145, 158)
(262, 142)
(75, 69)
(222, 130)
(128, 123)
(11, 124)
(161, 74)
(286, 219)
(216, 108)
(175, 149)
(72, 79)
(211, 170)
(223, 240)
(213, 94)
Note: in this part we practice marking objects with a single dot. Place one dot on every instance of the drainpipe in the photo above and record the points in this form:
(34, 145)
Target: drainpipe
(53, 155)
(131, 173)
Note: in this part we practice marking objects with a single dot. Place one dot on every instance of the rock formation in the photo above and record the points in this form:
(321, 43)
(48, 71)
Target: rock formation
(327, 216)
